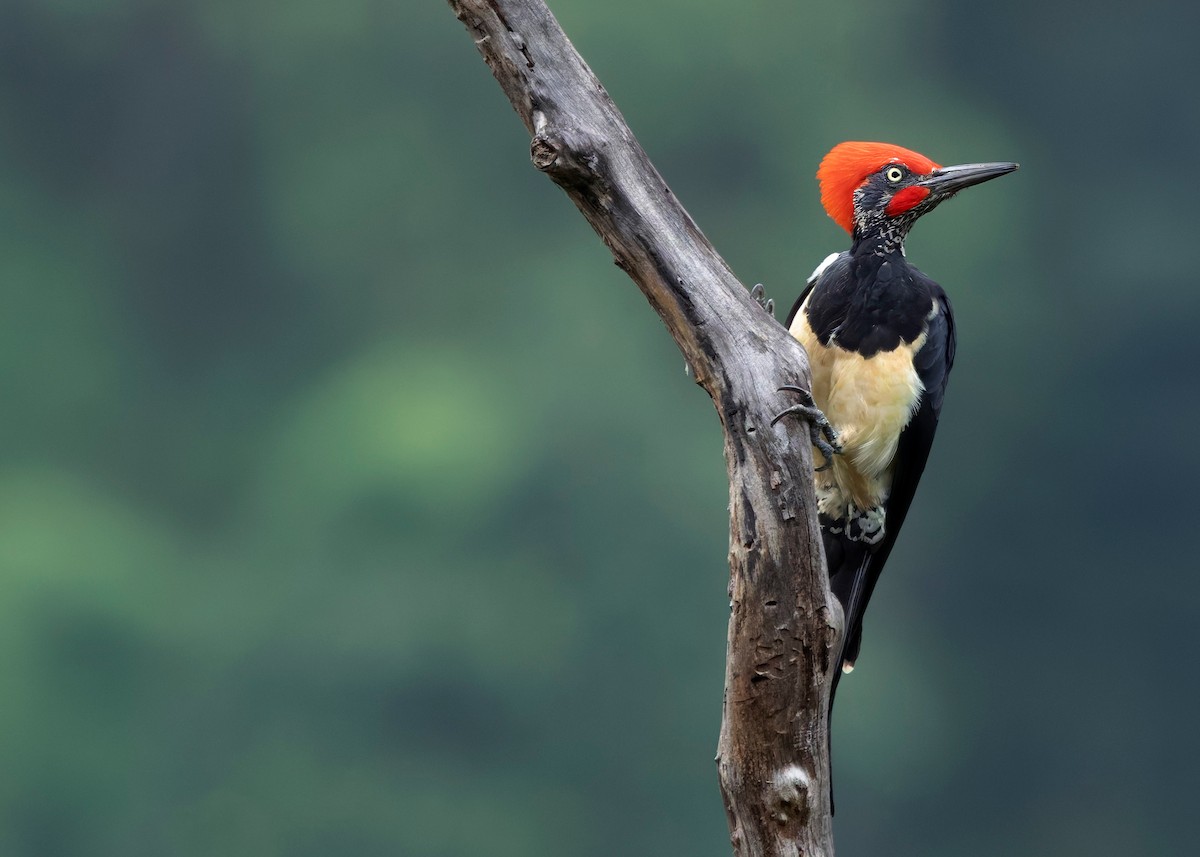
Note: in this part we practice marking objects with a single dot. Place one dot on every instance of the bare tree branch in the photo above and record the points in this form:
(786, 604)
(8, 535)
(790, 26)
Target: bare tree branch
(773, 752)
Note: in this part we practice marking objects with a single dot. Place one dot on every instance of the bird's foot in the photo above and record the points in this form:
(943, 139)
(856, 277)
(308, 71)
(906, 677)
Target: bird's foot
(824, 437)
(760, 297)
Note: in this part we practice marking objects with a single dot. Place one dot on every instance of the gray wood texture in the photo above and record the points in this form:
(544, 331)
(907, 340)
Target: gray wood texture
(772, 757)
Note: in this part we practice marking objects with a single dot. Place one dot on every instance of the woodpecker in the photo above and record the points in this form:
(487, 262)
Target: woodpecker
(880, 341)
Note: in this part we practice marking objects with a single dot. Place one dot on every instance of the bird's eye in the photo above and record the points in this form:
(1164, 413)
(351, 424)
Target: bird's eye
(894, 174)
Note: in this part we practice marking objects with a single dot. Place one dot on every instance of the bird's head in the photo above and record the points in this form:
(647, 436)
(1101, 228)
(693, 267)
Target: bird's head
(870, 188)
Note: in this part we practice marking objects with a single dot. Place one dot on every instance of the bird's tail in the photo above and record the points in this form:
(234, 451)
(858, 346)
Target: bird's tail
(851, 581)
(850, 565)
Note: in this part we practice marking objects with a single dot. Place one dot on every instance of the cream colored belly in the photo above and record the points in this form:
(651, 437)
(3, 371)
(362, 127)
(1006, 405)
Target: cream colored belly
(868, 402)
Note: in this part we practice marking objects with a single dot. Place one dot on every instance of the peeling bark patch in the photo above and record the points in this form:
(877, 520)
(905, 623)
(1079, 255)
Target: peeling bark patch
(710, 350)
(827, 642)
(679, 288)
(777, 658)
(524, 48)
(516, 37)
(730, 406)
(749, 522)
(751, 569)
(495, 7)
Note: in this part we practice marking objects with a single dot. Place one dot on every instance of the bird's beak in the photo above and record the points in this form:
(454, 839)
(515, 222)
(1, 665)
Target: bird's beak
(949, 180)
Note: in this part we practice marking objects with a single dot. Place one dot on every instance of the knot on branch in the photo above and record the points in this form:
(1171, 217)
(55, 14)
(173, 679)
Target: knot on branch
(544, 152)
(791, 797)
(570, 157)
(566, 160)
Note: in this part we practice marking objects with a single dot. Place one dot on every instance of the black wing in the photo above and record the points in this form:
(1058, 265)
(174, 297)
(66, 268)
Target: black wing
(821, 271)
(933, 364)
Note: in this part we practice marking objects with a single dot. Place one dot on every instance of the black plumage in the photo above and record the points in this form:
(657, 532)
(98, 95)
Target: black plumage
(869, 304)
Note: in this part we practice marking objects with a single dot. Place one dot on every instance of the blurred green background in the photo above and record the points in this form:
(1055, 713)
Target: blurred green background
(354, 503)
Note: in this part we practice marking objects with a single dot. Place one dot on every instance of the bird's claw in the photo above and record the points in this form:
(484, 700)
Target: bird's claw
(760, 297)
(823, 435)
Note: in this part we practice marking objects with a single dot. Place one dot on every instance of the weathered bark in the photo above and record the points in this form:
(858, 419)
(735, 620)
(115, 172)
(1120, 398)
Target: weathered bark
(773, 752)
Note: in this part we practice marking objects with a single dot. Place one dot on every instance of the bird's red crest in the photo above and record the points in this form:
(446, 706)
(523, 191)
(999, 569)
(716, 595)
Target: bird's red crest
(847, 166)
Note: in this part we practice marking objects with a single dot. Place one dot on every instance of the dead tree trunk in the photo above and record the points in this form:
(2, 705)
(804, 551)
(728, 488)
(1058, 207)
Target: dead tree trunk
(773, 751)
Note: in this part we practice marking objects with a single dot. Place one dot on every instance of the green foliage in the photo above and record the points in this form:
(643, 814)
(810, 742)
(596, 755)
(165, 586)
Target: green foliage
(352, 502)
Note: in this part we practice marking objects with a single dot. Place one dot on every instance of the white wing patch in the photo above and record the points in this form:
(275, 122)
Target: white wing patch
(821, 268)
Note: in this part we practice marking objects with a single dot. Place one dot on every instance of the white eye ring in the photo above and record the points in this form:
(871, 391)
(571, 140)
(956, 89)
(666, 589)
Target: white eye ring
(894, 174)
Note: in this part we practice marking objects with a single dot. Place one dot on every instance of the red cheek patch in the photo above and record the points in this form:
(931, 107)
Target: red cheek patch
(907, 198)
